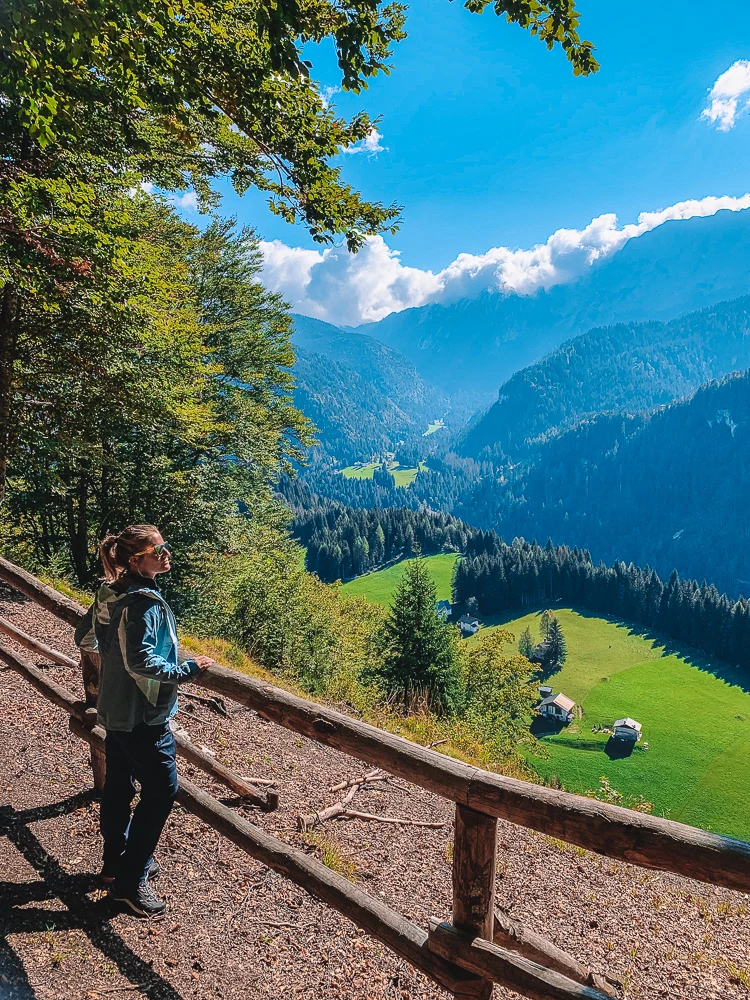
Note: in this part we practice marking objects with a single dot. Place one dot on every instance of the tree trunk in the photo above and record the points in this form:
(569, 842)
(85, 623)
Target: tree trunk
(9, 311)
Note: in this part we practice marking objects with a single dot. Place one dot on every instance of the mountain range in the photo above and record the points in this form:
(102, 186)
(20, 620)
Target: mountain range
(364, 396)
(629, 438)
(623, 368)
(479, 343)
(667, 489)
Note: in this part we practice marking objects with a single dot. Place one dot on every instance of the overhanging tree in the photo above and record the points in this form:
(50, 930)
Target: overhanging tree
(162, 396)
(99, 97)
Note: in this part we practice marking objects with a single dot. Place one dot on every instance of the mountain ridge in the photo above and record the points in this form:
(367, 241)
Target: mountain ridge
(621, 368)
(680, 266)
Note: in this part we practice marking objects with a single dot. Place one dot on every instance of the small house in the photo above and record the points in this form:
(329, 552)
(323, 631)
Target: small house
(469, 625)
(560, 707)
(444, 609)
(627, 729)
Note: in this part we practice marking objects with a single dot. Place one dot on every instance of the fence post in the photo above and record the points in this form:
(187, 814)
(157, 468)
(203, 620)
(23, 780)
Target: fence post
(474, 849)
(90, 664)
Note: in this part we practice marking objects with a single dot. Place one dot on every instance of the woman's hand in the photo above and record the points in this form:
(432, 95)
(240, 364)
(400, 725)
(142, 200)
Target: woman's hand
(204, 662)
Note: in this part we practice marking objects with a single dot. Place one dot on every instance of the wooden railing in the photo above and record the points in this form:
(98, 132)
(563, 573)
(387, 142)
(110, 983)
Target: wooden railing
(479, 947)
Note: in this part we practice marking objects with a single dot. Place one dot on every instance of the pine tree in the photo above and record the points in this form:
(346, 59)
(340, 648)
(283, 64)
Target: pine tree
(526, 644)
(557, 649)
(420, 651)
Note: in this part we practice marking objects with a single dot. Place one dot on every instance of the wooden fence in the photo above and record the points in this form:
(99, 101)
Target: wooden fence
(480, 946)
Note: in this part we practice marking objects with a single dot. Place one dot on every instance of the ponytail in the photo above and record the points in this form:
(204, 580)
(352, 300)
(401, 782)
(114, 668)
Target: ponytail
(116, 551)
(108, 556)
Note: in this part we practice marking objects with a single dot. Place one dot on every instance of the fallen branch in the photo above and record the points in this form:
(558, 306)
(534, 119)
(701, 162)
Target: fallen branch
(271, 923)
(119, 989)
(217, 704)
(307, 820)
(399, 820)
(370, 776)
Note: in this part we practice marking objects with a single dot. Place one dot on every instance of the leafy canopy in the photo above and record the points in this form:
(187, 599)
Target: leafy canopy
(156, 391)
(185, 91)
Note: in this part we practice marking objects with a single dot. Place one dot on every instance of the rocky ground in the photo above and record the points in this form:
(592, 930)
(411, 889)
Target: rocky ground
(235, 930)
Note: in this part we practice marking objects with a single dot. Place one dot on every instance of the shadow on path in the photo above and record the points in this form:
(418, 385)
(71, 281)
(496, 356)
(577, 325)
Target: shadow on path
(90, 916)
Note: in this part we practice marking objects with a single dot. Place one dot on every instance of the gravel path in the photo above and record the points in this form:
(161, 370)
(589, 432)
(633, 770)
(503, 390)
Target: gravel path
(234, 929)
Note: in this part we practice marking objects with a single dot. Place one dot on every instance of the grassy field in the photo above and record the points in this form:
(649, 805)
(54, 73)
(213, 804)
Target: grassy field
(365, 472)
(697, 725)
(403, 477)
(379, 586)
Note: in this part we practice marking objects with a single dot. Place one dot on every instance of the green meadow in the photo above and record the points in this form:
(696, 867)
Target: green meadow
(364, 472)
(379, 587)
(695, 717)
(403, 477)
(696, 724)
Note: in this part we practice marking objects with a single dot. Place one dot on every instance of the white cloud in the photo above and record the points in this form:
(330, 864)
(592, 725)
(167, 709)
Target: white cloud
(350, 289)
(725, 96)
(371, 144)
(188, 201)
(327, 94)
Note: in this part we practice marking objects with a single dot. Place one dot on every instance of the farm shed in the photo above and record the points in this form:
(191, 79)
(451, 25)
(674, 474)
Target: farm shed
(627, 729)
(444, 609)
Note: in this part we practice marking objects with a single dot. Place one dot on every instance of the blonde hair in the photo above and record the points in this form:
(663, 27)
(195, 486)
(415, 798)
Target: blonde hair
(116, 551)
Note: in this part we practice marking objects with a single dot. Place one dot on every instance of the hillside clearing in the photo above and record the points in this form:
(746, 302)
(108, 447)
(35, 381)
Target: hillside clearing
(363, 472)
(380, 586)
(402, 476)
(697, 725)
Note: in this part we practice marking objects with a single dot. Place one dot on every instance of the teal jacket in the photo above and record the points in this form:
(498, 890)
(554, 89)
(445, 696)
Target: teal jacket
(134, 630)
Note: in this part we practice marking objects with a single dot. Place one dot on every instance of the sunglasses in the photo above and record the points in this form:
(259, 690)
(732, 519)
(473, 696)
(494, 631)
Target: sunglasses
(160, 550)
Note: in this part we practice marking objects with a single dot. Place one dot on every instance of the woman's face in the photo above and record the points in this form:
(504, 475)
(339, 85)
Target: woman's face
(151, 562)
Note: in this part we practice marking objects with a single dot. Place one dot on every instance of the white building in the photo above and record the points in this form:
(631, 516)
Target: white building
(627, 729)
(469, 625)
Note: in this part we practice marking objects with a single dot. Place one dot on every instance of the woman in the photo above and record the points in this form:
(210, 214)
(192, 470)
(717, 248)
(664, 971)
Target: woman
(133, 628)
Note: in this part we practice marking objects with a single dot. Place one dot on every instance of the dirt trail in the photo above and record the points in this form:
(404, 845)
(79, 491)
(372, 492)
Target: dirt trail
(236, 930)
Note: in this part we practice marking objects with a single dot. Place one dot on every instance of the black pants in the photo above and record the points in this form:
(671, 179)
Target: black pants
(145, 754)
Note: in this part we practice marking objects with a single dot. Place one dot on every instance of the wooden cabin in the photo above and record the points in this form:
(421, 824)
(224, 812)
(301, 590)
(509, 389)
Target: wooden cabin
(560, 707)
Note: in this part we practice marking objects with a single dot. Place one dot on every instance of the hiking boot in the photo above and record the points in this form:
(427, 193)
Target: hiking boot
(111, 868)
(142, 899)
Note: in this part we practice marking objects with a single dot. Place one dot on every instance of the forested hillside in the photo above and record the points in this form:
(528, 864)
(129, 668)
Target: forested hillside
(499, 576)
(480, 342)
(365, 397)
(667, 489)
(342, 542)
(628, 367)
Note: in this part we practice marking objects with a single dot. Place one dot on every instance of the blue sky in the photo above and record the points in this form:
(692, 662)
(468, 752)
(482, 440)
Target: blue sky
(491, 141)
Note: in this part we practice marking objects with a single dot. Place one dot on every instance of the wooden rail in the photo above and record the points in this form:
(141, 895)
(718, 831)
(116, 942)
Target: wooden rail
(640, 839)
(648, 841)
(467, 956)
(266, 800)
